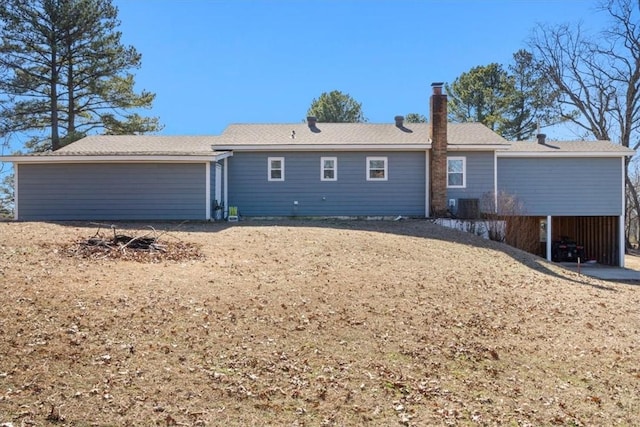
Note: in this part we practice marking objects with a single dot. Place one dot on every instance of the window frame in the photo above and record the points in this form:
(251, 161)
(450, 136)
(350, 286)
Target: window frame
(385, 170)
(334, 169)
(463, 172)
(270, 169)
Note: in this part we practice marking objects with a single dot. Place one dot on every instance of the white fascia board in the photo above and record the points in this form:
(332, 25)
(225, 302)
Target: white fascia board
(114, 159)
(539, 154)
(327, 147)
(475, 147)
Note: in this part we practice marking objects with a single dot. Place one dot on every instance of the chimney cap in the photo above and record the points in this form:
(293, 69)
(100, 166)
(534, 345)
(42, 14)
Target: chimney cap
(311, 120)
(437, 84)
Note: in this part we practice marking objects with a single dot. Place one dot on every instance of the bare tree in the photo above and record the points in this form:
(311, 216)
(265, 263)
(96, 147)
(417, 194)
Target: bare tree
(597, 75)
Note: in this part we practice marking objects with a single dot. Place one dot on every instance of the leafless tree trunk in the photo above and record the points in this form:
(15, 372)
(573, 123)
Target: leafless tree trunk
(598, 76)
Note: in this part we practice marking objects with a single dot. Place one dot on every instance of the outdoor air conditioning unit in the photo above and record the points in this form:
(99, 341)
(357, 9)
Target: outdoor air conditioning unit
(468, 208)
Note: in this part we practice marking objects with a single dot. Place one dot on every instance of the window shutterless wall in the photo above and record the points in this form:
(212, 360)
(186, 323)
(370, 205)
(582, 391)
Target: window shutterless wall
(349, 195)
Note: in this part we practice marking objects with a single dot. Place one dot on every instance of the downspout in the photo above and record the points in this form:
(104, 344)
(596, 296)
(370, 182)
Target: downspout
(226, 187)
(621, 237)
(15, 191)
(495, 181)
(207, 189)
(427, 208)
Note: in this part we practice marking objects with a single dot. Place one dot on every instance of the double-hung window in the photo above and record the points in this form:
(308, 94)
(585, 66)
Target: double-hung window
(276, 169)
(377, 169)
(328, 169)
(456, 172)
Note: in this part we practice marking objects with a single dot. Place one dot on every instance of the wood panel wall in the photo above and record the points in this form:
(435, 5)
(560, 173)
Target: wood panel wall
(598, 234)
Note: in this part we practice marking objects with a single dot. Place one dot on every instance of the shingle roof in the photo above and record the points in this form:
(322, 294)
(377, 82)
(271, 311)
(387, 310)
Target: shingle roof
(139, 144)
(239, 135)
(352, 134)
(605, 147)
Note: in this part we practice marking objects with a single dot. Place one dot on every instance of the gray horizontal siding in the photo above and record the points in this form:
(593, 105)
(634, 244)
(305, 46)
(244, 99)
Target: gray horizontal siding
(563, 186)
(111, 191)
(480, 177)
(351, 195)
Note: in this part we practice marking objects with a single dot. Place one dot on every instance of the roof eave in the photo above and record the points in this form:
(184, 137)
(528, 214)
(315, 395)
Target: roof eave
(325, 147)
(117, 158)
(476, 147)
(538, 154)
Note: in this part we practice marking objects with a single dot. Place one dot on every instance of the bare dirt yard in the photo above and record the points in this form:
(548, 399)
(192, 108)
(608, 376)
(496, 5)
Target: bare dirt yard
(308, 323)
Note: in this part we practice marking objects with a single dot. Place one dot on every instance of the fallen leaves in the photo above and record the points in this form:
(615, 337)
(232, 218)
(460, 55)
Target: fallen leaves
(309, 324)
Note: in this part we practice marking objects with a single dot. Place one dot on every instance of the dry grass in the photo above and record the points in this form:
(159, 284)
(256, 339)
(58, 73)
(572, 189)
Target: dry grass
(310, 323)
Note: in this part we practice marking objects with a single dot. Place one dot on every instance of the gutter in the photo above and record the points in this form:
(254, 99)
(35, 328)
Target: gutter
(115, 158)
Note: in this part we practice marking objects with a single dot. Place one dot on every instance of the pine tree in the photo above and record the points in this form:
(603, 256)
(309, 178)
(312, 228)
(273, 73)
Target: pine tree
(66, 73)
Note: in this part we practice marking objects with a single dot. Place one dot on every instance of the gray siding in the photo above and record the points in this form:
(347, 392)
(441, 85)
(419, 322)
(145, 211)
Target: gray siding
(563, 186)
(351, 195)
(111, 191)
(480, 177)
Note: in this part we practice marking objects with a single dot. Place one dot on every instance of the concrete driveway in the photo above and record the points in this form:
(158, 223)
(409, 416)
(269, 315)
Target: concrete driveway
(604, 272)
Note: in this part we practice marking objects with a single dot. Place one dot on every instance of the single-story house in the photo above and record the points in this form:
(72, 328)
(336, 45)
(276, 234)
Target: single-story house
(339, 170)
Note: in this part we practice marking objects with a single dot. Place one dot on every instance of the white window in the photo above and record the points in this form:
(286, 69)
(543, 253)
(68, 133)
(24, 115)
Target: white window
(456, 172)
(377, 169)
(328, 169)
(276, 169)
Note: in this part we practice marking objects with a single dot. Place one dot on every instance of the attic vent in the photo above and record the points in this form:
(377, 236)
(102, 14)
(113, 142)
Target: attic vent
(399, 121)
(468, 208)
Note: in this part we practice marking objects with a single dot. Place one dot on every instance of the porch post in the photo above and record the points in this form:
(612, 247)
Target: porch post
(226, 187)
(621, 235)
(621, 239)
(548, 237)
(207, 189)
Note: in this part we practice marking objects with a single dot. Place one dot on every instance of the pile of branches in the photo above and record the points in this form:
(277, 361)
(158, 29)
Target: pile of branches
(123, 242)
(138, 248)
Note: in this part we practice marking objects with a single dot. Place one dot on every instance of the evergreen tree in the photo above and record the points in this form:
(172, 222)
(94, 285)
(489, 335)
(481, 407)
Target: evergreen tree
(336, 107)
(415, 118)
(512, 101)
(479, 96)
(65, 73)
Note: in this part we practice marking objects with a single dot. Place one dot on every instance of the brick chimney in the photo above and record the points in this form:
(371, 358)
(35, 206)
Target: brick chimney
(438, 164)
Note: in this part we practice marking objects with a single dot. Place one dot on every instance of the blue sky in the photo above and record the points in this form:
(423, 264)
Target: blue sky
(217, 62)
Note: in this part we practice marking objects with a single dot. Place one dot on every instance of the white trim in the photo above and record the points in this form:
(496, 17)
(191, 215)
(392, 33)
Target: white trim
(621, 236)
(115, 159)
(427, 184)
(538, 154)
(207, 189)
(326, 147)
(477, 147)
(495, 182)
(15, 192)
(385, 169)
(334, 169)
(226, 186)
(549, 222)
(271, 169)
(464, 171)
